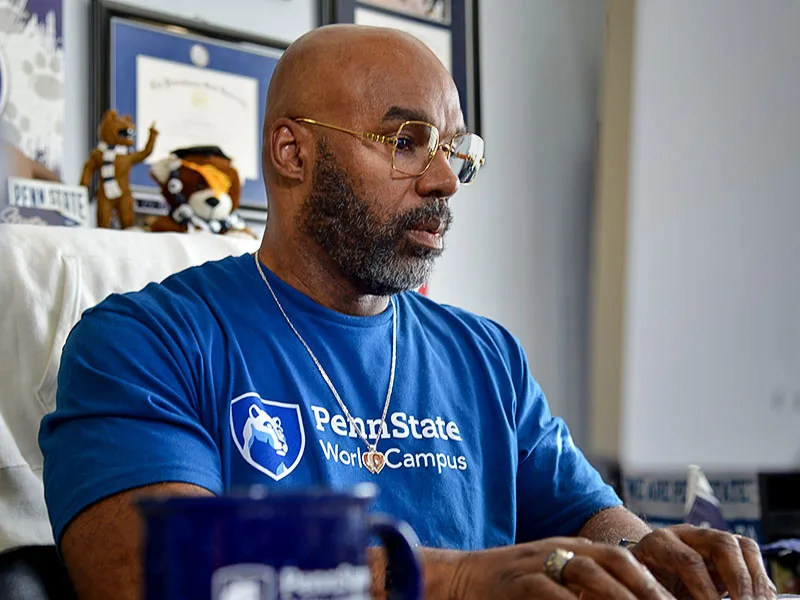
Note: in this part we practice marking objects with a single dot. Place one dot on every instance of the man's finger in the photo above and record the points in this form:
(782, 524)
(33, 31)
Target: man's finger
(721, 548)
(622, 565)
(721, 586)
(583, 575)
(762, 585)
(538, 585)
(689, 566)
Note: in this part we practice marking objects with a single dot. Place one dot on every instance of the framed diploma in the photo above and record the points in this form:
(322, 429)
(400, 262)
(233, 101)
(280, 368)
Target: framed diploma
(448, 27)
(199, 85)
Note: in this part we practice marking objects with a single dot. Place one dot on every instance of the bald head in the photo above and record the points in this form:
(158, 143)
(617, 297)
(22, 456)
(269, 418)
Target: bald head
(339, 68)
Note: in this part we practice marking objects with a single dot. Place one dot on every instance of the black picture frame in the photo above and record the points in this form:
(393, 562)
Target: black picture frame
(103, 13)
(462, 23)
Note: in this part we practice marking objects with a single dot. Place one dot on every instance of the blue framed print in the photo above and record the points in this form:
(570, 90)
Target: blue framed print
(198, 85)
(448, 27)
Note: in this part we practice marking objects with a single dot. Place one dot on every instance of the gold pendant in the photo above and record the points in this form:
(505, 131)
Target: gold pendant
(373, 460)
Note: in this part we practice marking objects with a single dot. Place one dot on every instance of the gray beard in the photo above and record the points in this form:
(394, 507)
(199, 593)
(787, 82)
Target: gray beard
(375, 257)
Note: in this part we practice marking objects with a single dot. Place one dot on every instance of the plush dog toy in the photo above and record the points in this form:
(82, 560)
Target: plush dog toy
(111, 158)
(202, 188)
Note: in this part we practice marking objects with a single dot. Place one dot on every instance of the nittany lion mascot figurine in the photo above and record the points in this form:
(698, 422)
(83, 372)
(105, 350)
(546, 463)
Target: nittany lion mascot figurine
(202, 189)
(113, 160)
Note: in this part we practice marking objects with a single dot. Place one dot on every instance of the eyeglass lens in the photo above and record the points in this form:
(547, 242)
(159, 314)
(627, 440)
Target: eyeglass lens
(465, 159)
(417, 144)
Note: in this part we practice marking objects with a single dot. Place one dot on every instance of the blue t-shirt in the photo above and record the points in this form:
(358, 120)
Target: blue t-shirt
(199, 379)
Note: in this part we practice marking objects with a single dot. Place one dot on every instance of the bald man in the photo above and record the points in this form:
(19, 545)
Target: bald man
(310, 363)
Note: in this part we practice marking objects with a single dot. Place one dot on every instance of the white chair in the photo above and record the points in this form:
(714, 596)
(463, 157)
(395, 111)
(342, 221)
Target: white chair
(48, 277)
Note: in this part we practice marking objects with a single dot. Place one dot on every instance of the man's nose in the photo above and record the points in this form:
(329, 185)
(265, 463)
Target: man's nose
(439, 181)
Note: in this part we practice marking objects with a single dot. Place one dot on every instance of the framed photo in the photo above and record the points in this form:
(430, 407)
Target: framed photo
(199, 85)
(448, 27)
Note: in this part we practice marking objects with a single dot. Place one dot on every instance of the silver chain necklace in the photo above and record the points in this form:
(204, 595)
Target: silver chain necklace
(373, 460)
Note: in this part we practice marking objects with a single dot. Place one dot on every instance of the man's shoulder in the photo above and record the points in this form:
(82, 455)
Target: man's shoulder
(187, 290)
(458, 323)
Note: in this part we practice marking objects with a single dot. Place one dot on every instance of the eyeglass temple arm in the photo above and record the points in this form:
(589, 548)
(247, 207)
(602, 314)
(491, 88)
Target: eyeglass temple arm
(469, 158)
(383, 139)
(449, 150)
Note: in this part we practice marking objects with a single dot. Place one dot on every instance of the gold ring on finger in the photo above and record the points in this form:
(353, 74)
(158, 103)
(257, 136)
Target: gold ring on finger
(555, 562)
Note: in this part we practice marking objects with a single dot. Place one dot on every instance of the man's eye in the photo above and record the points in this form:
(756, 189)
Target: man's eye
(405, 144)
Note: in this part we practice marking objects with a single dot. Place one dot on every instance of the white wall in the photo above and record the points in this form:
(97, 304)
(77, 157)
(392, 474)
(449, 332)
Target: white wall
(519, 247)
(712, 350)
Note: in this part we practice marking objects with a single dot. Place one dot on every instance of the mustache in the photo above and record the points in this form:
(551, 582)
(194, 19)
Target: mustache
(433, 209)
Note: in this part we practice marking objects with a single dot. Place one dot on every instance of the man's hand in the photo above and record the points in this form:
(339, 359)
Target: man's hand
(517, 573)
(704, 563)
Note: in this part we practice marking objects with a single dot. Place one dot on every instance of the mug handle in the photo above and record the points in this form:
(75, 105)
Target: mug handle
(402, 557)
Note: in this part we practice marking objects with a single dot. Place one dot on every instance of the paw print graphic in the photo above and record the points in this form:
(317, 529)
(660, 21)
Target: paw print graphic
(44, 76)
(15, 126)
(33, 119)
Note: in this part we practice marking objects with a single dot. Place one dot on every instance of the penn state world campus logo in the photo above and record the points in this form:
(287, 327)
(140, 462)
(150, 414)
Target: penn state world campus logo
(268, 434)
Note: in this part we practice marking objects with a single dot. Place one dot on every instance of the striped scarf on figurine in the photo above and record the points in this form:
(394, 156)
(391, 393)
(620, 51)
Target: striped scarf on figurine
(108, 171)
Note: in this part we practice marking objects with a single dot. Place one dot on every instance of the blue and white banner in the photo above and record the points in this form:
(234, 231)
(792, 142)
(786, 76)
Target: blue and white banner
(660, 498)
(32, 105)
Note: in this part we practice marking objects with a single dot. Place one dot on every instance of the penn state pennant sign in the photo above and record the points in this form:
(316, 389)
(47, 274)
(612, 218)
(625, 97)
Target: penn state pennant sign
(66, 204)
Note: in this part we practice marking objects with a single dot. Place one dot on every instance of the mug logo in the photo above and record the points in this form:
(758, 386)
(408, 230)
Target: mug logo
(244, 582)
(268, 434)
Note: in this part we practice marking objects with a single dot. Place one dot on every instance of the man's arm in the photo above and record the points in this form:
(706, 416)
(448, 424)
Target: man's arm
(613, 525)
(101, 547)
(439, 569)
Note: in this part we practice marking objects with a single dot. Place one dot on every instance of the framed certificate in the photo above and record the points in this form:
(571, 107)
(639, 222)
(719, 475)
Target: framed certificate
(448, 27)
(431, 10)
(198, 84)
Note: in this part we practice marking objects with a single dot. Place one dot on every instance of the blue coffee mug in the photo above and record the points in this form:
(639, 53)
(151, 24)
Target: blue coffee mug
(273, 546)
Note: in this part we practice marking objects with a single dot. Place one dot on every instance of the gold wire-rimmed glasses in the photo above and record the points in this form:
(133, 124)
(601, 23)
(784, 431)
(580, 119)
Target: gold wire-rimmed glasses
(414, 147)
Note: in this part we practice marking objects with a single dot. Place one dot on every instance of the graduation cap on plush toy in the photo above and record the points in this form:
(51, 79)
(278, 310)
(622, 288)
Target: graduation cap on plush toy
(201, 151)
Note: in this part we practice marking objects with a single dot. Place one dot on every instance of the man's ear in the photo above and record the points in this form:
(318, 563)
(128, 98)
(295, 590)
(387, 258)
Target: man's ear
(289, 146)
